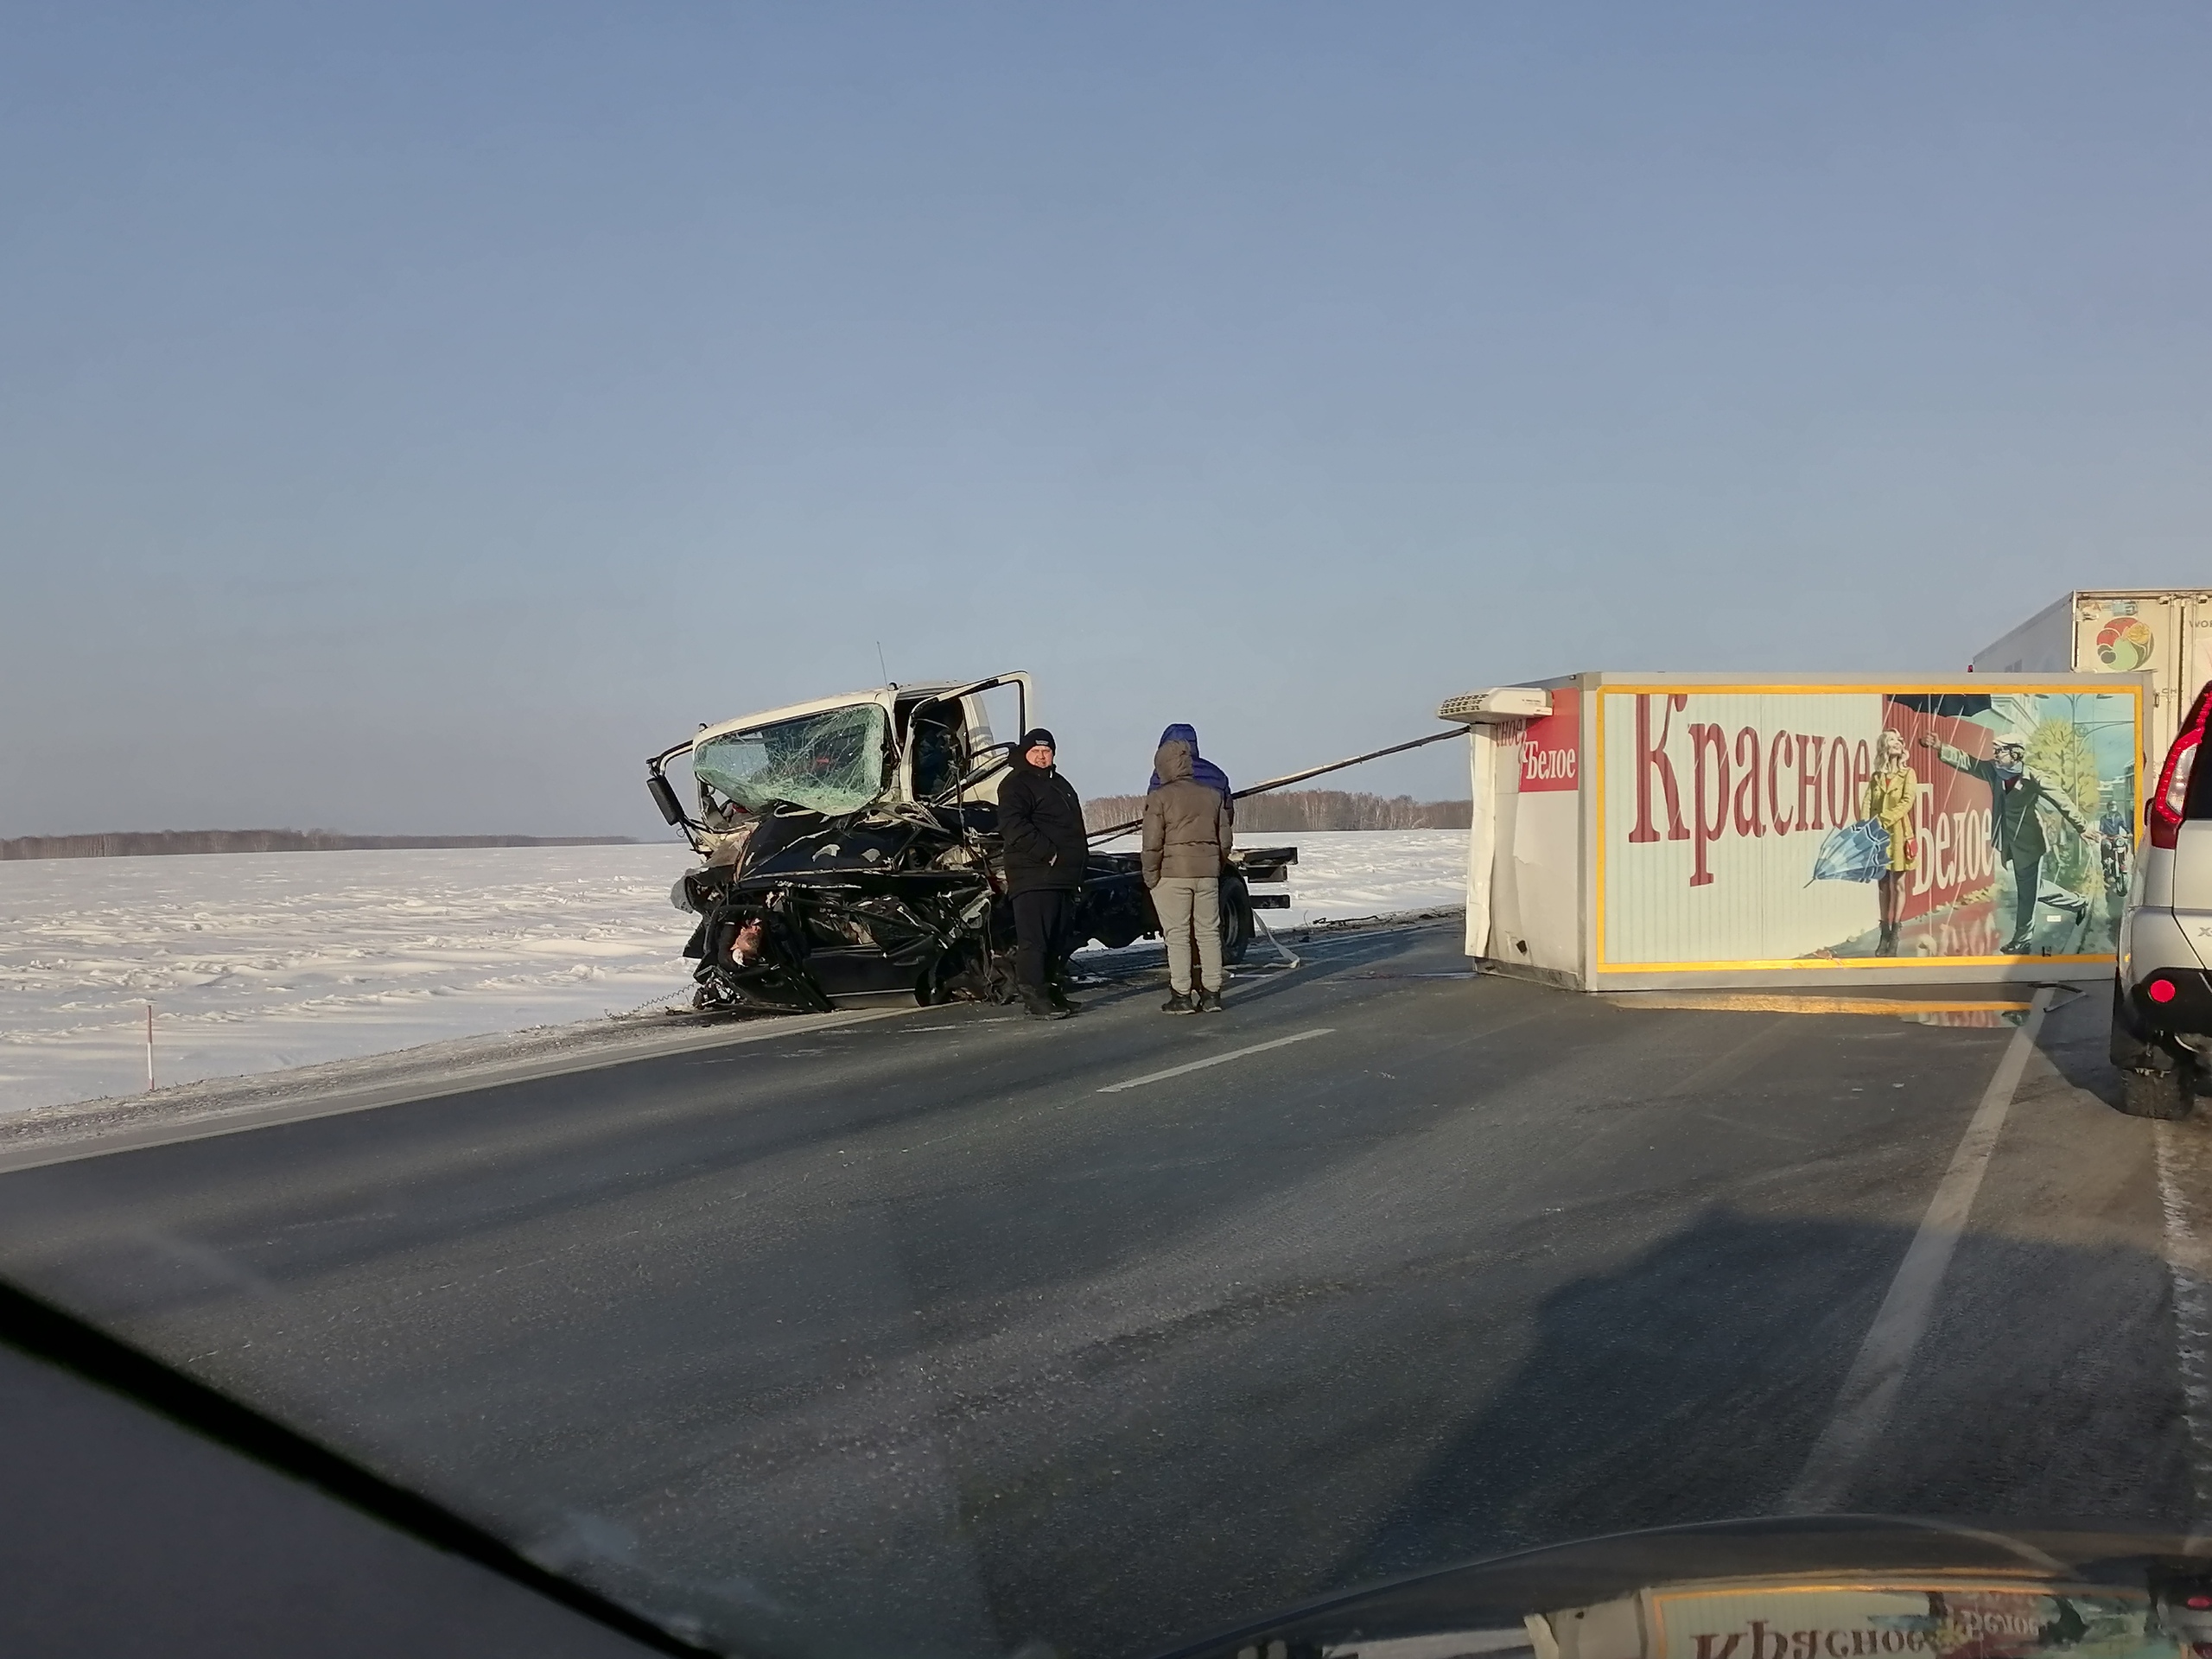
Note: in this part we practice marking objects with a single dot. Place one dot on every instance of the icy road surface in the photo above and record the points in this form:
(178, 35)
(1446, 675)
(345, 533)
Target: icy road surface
(258, 961)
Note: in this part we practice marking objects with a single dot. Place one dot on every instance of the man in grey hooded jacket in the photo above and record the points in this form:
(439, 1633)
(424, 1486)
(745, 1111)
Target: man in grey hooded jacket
(1187, 842)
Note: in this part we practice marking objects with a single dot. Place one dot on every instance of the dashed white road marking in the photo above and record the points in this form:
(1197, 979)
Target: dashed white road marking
(1869, 1391)
(2188, 1262)
(1213, 1060)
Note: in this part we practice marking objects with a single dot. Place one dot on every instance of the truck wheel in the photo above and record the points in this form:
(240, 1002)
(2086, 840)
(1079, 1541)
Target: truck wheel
(2155, 1094)
(1235, 921)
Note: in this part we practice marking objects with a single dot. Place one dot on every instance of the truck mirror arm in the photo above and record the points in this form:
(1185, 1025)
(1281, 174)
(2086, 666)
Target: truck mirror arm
(663, 794)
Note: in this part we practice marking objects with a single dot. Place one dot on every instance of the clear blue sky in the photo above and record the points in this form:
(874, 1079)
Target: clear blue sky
(410, 418)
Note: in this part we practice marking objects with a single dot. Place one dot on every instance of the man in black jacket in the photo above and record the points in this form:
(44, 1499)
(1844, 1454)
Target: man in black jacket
(1040, 826)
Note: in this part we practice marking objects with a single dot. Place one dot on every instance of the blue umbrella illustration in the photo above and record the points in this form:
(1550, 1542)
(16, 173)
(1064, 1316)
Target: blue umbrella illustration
(1855, 852)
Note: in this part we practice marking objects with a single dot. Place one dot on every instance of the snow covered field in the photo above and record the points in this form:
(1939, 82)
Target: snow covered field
(1345, 872)
(258, 961)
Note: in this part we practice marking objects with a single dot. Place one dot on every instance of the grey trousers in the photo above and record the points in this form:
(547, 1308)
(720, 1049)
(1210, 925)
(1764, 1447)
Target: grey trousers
(1188, 905)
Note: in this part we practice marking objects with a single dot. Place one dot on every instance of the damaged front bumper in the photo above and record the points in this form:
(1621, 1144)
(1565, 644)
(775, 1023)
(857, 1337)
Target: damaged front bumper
(900, 900)
(905, 899)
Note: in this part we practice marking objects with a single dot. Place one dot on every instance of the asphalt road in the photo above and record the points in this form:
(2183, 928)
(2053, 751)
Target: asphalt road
(913, 1335)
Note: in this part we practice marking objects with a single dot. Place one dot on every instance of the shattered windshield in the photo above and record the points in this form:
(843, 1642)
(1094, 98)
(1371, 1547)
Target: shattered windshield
(830, 763)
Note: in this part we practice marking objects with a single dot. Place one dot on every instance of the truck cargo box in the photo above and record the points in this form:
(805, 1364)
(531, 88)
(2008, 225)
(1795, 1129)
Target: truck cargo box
(2165, 632)
(1709, 830)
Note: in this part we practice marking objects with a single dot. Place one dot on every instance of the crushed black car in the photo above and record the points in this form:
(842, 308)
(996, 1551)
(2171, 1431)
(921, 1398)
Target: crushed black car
(849, 846)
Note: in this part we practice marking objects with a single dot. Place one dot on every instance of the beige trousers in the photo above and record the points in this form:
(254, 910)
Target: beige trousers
(1188, 905)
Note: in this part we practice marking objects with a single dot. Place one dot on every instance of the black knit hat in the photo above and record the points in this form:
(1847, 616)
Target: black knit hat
(1035, 735)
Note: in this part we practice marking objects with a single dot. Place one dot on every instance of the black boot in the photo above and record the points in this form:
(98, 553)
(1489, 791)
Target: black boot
(1178, 1002)
(1209, 1002)
(1038, 1006)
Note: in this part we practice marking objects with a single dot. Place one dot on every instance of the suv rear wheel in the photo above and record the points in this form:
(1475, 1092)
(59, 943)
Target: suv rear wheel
(2154, 1080)
(2155, 1094)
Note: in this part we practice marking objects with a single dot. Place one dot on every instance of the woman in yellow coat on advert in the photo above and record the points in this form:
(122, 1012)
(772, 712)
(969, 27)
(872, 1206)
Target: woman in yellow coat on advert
(1890, 796)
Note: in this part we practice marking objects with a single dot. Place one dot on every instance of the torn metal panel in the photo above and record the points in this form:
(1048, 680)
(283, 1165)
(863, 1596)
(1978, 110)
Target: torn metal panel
(903, 899)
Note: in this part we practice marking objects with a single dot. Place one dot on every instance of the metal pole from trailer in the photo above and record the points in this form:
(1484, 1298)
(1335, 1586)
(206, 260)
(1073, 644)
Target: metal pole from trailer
(1112, 830)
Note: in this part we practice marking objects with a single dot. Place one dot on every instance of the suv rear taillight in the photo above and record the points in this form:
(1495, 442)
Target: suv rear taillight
(2170, 802)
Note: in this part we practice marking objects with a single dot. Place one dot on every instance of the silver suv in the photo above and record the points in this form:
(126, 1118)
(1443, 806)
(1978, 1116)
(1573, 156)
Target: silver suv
(2162, 995)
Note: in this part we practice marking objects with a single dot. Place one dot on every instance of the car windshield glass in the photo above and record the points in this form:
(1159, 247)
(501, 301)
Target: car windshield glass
(831, 762)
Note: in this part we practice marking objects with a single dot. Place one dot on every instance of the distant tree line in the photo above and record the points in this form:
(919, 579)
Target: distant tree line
(140, 843)
(1307, 808)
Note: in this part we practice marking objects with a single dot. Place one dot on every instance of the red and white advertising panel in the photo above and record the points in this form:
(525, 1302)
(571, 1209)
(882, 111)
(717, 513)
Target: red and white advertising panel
(1551, 747)
(1753, 827)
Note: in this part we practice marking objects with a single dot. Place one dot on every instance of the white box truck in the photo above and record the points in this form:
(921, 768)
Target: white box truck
(2165, 632)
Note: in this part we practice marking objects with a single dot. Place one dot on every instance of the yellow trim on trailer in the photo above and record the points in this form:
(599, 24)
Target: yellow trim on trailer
(1855, 963)
(1782, 1002)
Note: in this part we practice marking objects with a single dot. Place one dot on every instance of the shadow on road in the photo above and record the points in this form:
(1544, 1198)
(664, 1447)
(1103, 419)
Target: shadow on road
(1107, 1375)
(1690, 1383)
(1382, 1435)
(2077, 1040)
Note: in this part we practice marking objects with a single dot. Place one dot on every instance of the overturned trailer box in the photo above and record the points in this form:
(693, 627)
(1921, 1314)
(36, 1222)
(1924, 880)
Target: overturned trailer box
(1633, 831)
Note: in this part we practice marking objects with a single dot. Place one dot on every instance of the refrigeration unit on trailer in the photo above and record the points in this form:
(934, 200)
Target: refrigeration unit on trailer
(1634, 831)
(2165, 632)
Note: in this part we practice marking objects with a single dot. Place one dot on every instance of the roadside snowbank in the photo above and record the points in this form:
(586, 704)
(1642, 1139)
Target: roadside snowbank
(259, 961)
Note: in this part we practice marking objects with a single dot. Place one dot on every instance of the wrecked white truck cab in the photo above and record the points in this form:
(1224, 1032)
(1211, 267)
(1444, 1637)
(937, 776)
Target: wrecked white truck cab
(892, 746)
(850, 845)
